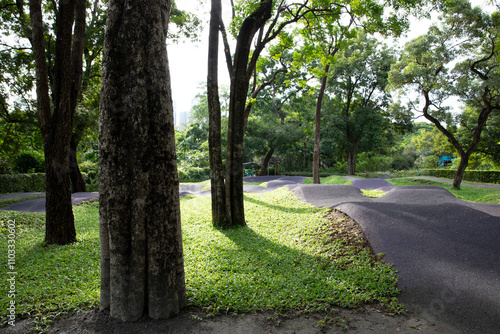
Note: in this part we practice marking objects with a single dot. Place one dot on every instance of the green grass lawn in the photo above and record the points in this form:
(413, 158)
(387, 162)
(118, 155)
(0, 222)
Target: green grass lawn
(332, 179)
(285, 259)
(466, 193)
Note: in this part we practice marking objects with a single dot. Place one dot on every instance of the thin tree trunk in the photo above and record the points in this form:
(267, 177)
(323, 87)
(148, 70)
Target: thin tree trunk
(265, 163)
(77, 181)
(219, 217)
(142, 267)
(240, 78)
(459, 175)
(317, 128)
(352, 153)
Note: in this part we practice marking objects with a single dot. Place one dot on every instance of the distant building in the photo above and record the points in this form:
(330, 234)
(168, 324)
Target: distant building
(181, 120)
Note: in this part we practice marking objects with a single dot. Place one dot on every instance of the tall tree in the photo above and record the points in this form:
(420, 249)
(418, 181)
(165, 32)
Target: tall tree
(268, 19)
(142, 270)
(359, 78)
(219, 213)
(56, 115)
(324, 35)
(470, 36)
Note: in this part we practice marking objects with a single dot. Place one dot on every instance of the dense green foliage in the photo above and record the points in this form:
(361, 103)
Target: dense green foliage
(29, 162)
(282, 114)
(12, 183)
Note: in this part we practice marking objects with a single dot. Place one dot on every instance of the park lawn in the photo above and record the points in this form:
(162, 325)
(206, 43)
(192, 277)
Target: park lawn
(466, 193)
(332, 179)
(285, 259)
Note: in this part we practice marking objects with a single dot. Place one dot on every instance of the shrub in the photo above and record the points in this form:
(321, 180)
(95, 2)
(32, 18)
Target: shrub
(374, 163)
(90, 173)
(14, 183)
(430, 161)
(5, 167)
(91, 155)
(194, 174)
(29, 162)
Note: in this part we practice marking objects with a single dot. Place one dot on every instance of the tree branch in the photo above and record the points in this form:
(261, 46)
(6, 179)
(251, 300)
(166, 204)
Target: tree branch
(42, 84)
(227, 48)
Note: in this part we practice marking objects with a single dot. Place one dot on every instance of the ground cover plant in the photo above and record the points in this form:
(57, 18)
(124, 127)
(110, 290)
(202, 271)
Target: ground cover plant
(290, 257)
(466, 193)
(373, 193)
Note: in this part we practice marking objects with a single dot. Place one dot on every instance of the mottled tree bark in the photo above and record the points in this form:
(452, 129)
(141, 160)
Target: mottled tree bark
(142, 268)
(56, 115)
(219, 217)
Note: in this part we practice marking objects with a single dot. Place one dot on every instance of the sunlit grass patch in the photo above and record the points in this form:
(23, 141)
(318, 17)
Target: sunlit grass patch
(277, 261)
(332, 179)
(373, 193)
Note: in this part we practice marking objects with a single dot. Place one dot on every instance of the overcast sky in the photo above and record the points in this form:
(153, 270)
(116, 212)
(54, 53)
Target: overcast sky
(188, 61)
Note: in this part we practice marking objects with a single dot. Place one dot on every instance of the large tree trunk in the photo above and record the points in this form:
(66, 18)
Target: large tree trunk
(142, 267)
(219, 218)
(265, 163)
(240, 77)
(60, 226)
(77, 181)
(317, 128)
(56, 116)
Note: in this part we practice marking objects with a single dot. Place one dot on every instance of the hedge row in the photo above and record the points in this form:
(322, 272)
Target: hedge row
(484, 176)
(194, 174)
(15, 183)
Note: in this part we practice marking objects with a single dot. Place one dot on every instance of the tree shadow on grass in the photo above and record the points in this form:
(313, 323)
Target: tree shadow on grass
(254, 273)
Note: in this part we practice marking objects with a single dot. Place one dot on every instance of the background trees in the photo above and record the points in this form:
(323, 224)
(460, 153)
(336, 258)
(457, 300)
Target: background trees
(357, 115)
(469, 36)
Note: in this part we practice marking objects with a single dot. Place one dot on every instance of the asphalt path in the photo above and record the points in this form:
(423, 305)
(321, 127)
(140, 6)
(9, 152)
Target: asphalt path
(38, 205)
(447, 251)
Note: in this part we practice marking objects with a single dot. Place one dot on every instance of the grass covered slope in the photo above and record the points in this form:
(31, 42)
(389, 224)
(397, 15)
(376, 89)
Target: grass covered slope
(284, 259)
(332, 179)
(289, 257)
